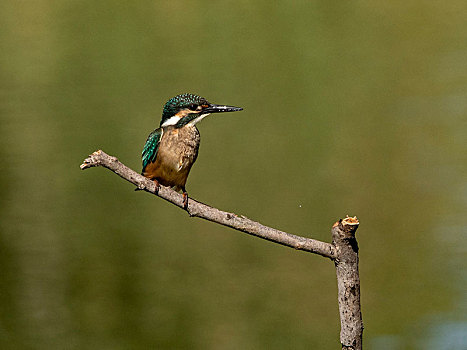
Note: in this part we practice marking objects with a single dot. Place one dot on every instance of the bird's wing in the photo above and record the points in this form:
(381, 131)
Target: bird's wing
(150, 148)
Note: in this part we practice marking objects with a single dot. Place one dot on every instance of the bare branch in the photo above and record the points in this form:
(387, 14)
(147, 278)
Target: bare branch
(343, 250)
(200, 210)
(348, 282)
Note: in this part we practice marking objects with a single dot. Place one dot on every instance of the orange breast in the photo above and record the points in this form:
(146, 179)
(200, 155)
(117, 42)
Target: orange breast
(166, 174)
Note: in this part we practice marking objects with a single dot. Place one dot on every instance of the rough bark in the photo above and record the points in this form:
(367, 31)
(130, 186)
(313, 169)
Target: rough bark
(348, 282)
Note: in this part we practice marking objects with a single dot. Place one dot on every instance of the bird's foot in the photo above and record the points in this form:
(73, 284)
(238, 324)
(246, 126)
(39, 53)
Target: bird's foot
(158, 186)
(185, 200)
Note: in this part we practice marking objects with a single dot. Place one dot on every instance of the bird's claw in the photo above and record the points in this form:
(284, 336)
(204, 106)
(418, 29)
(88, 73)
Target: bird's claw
(158, 187)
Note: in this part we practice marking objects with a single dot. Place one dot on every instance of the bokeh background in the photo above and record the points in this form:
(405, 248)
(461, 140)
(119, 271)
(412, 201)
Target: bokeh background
(353, 108)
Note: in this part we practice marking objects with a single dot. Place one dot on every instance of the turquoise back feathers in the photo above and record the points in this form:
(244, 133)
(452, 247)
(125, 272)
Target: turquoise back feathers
(150, 148)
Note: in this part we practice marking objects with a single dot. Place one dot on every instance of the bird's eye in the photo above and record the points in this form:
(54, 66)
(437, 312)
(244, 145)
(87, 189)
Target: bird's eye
(193, 107)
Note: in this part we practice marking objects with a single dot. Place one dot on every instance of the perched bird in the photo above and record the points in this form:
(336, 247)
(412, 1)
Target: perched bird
(171, 150)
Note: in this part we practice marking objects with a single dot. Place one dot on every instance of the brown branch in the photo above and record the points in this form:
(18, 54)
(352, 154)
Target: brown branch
(348, 282)
(343, 250)
(200, 210)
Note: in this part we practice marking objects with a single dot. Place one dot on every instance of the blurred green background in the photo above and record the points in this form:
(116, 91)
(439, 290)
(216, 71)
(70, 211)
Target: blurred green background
(353, 108)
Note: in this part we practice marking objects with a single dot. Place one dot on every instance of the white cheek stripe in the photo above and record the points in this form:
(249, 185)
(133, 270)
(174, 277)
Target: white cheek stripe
(198, 119)
(171, 121)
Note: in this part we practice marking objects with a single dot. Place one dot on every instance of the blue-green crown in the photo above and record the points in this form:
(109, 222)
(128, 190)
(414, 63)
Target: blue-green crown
(175, 104)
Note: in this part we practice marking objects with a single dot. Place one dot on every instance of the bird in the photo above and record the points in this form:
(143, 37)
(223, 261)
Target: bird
(171, 150)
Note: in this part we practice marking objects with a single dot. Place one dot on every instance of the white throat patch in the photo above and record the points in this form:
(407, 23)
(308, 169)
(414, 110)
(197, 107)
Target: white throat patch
(198, 119)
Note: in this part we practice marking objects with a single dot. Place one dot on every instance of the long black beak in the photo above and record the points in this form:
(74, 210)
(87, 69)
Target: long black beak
(212, 108)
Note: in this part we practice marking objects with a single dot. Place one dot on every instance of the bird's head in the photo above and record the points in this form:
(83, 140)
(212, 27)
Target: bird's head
(190, 109)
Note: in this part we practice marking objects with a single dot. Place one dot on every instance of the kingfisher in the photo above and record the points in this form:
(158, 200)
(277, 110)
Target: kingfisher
(171, 150)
